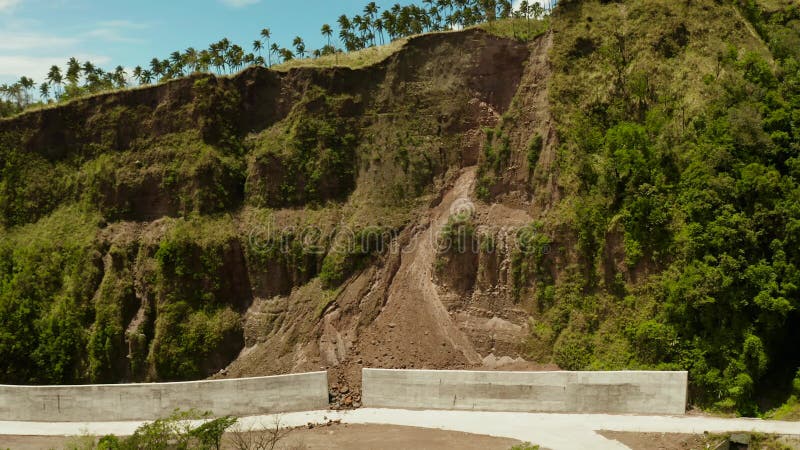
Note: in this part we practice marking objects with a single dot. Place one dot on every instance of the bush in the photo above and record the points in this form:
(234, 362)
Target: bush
(525, 446)
(572, 350)
(534, 150)
(176, 432)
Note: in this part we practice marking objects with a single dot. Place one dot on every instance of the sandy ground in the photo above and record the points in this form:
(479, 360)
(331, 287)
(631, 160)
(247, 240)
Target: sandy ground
(350, 437)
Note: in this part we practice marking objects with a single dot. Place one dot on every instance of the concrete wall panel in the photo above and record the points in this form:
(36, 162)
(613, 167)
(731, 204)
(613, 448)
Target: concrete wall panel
(557, 392)
(121, 402)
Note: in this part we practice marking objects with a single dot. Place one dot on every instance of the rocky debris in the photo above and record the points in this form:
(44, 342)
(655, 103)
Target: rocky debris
(342, 396)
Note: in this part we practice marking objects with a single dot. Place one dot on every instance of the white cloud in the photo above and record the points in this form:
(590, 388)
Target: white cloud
(116, 31)
(10, 41)
(12, 67)
(7, 5)
(236, 3)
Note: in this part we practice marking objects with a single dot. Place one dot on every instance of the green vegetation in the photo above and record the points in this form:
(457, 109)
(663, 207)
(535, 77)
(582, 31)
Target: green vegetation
(519, 26)
(48, 274)
(179, 431)
(352, 251)
(362, 37)
(196, 313)
(678, 150)
(791, 409)
(315, 149)
(671, 241)
(525, 446)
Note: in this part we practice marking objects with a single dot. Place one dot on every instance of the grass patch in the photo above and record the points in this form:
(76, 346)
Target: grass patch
(353, 60)
(518, 29)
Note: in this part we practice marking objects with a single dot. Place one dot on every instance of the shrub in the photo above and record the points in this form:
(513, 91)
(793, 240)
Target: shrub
(176, 432)
(572, 350)
(534, 150)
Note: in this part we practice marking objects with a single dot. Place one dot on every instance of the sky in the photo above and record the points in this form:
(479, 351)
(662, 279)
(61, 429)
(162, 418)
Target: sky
(36, 34)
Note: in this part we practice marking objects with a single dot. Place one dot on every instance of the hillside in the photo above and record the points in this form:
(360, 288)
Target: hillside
(619, 192)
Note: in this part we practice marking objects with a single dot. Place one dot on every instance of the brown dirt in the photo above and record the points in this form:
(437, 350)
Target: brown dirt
(369, 437)
(522, 186)
(396, 313)
(658, 441)
(350, 437)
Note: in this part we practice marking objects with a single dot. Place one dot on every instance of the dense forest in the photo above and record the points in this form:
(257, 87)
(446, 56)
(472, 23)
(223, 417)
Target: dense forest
(664, 180)
(690, 158)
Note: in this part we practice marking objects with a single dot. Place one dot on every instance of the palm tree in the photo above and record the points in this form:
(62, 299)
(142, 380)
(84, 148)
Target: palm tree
(389, 22)
(54, 77)
(446, 4)
(359, 25)
(215, 57)
(274, 49)
(27, 84)
(156, 69)
(176, 61)
(204, 59)
(166, 70)
(286, 54)
(137, 74)
(327, 31)
(120, 77)
(300, 46)
(345, 26)
(371, 11)
(346, 33)
(266, 34)
(73, 71)
(14, 93)
(88, 69)
(257, 47)
(524, 8)
(235, 56)
(537, 10)
(44, 91)
(147, 77)
(190, 59)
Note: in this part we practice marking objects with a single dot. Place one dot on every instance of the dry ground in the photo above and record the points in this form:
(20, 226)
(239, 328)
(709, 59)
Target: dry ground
(658, 441)
(673, 441)
(350, 437)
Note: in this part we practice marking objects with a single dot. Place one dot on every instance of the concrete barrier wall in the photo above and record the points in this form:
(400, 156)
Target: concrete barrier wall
(121, 402)
(557, 392)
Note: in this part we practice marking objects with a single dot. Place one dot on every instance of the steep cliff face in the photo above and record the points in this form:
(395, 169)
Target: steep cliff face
(248, 214)
(617, 193)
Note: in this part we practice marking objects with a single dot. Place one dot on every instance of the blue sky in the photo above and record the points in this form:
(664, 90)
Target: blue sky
(35, 34)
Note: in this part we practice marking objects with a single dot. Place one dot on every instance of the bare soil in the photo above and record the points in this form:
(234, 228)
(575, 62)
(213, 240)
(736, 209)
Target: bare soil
(397, 313)
(658, 441)
(369, 437)
(351, 437)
